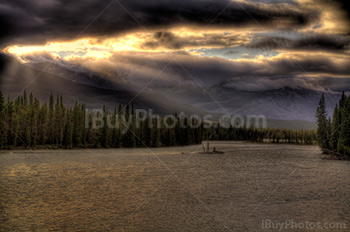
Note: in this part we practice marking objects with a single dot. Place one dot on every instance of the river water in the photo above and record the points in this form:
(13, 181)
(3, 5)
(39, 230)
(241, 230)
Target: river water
(252, 187)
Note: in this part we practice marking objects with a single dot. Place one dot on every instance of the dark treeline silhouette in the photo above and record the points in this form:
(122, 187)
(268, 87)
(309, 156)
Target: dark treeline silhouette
(263, 135)
(25, 122)
(334, 134)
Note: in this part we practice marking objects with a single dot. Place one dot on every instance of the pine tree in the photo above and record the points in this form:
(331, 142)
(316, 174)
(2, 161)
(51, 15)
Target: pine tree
(129, 132)
(35, 109)
(77, 126)
(25, 100)
(322, 124)
(3, 130)
(115, 135)
(335, 128)
(68, 134)
(51, 134)
(105, 137)
(12, 124)
(155, 135)
(43, 122)
(344, 136)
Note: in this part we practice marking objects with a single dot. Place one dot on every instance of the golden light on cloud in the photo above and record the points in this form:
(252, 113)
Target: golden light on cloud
(190, 39)
(322, 18)
(331, 20)
(67, 50)
(173, 39)
(87, 48)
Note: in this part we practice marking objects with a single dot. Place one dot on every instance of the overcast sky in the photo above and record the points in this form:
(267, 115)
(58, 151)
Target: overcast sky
(241, 44)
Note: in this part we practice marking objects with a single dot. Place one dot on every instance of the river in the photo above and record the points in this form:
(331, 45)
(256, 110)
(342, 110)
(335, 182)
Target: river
(252, 187)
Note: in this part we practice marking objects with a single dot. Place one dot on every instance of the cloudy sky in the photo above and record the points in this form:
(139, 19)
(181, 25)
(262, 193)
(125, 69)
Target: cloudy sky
(245, 45)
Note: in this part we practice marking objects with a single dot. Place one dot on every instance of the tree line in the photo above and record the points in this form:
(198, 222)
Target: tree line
(25, 122)
(264, 135)
(334, 133)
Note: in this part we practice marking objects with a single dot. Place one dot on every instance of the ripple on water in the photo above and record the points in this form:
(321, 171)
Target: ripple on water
(134, 190)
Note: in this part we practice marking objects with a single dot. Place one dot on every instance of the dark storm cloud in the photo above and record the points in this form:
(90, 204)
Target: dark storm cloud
(134, 70)
(344, 4)
(313, 42)
(29, 22)
(213, 70)
(324, 84)
(308, 66)
(256, 84)
(140, 68)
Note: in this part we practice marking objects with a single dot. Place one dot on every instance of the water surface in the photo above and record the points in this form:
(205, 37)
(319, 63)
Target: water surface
(172, 189)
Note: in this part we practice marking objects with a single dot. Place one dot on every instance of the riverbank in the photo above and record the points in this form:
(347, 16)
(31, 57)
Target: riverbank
(54, 147)
(331, 155)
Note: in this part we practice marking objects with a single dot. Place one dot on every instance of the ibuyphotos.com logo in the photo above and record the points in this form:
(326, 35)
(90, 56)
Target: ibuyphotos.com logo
(288, 225)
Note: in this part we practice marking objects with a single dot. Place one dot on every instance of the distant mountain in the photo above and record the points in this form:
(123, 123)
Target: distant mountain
(282, 104)
(288, 108)
(16, 76)
(77, 75)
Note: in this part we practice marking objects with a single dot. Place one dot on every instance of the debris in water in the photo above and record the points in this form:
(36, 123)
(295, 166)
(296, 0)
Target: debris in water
(207, 151)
